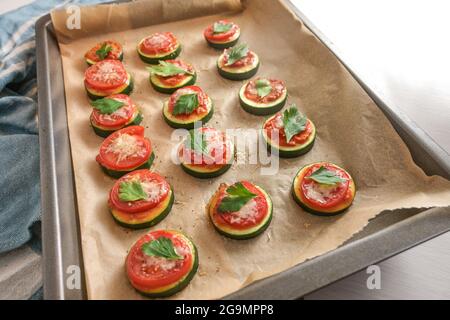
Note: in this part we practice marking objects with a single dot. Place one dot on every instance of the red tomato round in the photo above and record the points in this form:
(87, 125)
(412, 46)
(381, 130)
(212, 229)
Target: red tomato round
(156, 187)
(278, 89)
(246, 61)
(219, 147)
(146, 273)
(159, 43)
(106, 75)
(114, 54)
(201, 96)
(224, 36)
(275, 125)
(336, 195)
(120, 117)
(258, 205)
(177, 79)
(125, 149)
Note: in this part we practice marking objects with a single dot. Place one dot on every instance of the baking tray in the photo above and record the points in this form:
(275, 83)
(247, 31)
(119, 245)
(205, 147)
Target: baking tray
(386, 235)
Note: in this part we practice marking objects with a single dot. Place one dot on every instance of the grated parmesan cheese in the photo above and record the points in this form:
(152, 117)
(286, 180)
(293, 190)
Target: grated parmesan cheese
(153, 189)
(318, 192)
(247, 213)
(125, 146)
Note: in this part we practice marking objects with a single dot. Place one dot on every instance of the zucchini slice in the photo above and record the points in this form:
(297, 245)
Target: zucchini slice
(154, 59)
(238, 74)
(300, 199)
(261, 109)
(288, 151)
(172, 288)
(104, 132)
(240, 233)
(117, 174)
(125, 89)
(163, 88)
(206, 153)
(187, 121)
(149, 219)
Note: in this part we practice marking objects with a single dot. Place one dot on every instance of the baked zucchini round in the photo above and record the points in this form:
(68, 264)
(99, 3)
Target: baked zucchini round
(124, 151)
(187, 106)
(161, 263)
(240, 211)
(206, 153)
(104, 50)
(114, 113)
(238, 63)
(300, 141)
(159, 46)
(170, 75)
(323, 188)
(140, 199)
(222, 34)
(263, 96)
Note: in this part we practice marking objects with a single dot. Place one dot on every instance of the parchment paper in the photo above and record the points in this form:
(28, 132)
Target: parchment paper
(352, 132)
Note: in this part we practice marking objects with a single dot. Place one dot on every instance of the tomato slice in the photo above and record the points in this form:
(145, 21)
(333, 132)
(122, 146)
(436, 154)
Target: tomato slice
(275, 126)
(146, 273)
(219, 150)
(159, 43)
(106, 75)
(322, 196)
(252, 214)
(278, 89)
(114, 54)
(156, 187)
(125, 149)
(120, 117)
(201, 96)
(249, 59)
(175, 80)
(224, 36)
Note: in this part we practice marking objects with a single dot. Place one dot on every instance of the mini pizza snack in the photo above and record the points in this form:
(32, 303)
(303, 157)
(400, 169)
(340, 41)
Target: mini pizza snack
(222, 34)
(186, 106)
(240, 211)
(206, 153)
(323, 189)
(113, 113)
(161, 263)
(238, 63)
(159, 46)
(107, 77)
(140, 199)
(109, 49)
(170, 75)
(263, 96)
(290, 133)
(124, 151)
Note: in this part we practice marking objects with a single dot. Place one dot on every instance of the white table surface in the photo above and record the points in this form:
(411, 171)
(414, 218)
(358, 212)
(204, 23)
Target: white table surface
(402, 50)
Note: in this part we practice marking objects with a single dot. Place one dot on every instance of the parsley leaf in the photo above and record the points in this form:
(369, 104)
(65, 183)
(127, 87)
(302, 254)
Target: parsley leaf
(102, 53)
(325, 176)
(167, 69)
(237, 197)
(220, 27)
(237, 53)
(293, 122)
(197, 142)
(107, 105)
(161, 247)
(263, 87)
(131, 191)
(186, 104)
